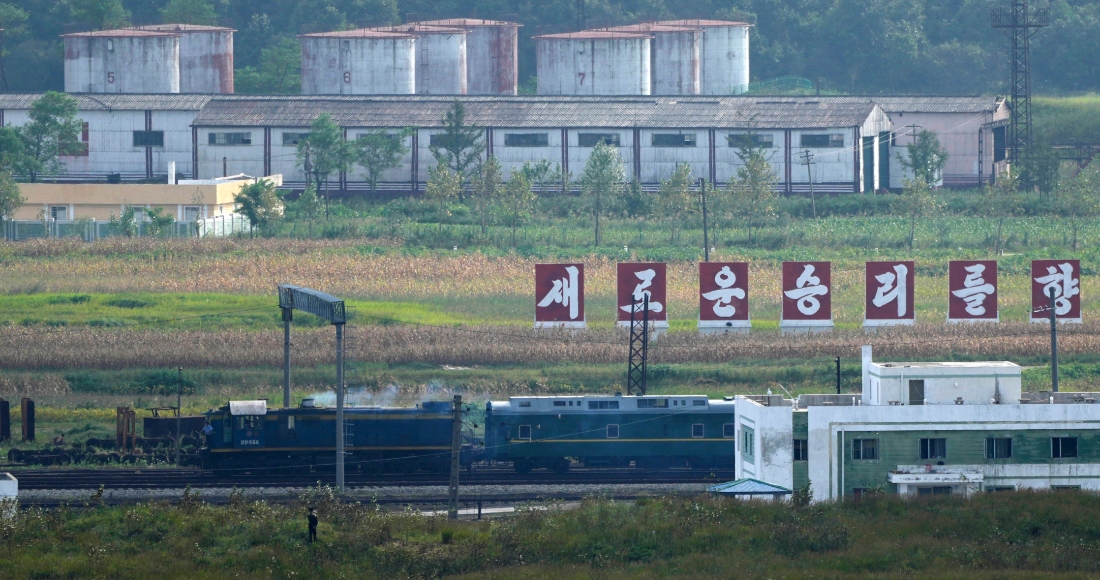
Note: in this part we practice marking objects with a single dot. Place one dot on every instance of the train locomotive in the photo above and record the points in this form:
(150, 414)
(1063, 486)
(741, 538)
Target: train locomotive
(651, 432)
(248, 437)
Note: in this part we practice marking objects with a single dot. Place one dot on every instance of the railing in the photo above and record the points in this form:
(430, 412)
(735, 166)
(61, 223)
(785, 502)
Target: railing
(88, 230)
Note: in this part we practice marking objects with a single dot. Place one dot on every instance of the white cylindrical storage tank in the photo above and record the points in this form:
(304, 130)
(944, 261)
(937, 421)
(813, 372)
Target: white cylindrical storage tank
(674, 62)
(122, 61)
(593, 62)
(358, 62)
(724, 55)
(206, 57)
(492, 49)
(440, 58)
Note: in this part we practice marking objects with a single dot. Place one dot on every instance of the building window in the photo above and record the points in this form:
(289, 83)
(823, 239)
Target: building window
(747, 442)
(933, 448)
(148, 138)
(697, 431)
(652, 403)
(801, 449)
(822, 140)
(593, 139)
(1065, 488)
(526, 139)
(59, 212)
(998, 448)
(729, 430)
(916, 392)
(739, 140)
(1063, 447)
(191, 213)
(1000, 488)
(441, 140)
(525, 432)
(293, 139)
(864, 449)
(230, 139)
(603, 404)
(934, 490)
(674, 139)
(612, 431)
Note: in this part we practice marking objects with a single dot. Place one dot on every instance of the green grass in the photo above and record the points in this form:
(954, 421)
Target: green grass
(1067, 120)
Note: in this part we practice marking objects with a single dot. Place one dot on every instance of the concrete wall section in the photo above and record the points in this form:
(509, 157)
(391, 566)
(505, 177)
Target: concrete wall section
(441, 62)
(220, 160)
(770, 429)
(492, 63)
(134, 62)
(675, 67)
(206, 62)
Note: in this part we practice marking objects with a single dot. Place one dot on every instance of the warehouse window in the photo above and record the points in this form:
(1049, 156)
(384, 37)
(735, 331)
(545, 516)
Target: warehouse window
(603, 404)
(442, 140)
(739, 140)
(293, 139)
(729, 430)
(865, 449)
(148, 138)
(934, 490)
(933, 448)
(801, 450)
(1063, 447)
(697, 431)
(79, 149)
(674, 139)
(526, 139)
(612, 431)
(997, 488)
(823, 140)
(593, 139)
(747, 442)
(652, 403)
(191, 213)
(524, 432)
(230, 139)
(998, 448)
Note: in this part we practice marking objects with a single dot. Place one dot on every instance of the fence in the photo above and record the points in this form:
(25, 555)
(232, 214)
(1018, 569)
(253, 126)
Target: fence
(91, 229)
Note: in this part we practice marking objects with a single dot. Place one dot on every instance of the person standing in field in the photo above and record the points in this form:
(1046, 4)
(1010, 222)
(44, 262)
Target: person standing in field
(312, 518)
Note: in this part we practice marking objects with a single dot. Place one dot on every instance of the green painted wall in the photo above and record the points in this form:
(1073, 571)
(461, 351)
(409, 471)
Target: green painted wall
(801, 428)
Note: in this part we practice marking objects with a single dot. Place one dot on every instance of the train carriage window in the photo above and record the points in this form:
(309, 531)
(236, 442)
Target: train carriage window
(227, 429)
(524, 432)
(603, 404)
(652, 403)
(729, 430)
(612, 431)
(525, 403)
(559, 403)
(699, 403)
(697, 431)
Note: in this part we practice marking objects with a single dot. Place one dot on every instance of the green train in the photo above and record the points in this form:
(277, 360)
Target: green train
(650, 432)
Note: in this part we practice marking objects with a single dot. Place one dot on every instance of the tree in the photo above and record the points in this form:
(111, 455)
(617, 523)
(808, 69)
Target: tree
(101, 14)
(189, 12)
(307, 206)
(159, 222)
(926, 158)
(1080, 199)
(752, 195)
(260, 203)
(379, 150)
(12, 150)
(487, 190)
(459, 146)
(602, 180)
(53, 130)
(280, 71)
(10, 198)
(1002, 200)
(443, 186)
(324, 152)
(538, 173)
(518, 201)
(676, 200)
(125, 224)
(916, 202)
(1039, 169)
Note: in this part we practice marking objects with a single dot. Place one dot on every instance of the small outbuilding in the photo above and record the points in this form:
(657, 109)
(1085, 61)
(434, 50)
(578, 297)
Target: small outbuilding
(749, 488)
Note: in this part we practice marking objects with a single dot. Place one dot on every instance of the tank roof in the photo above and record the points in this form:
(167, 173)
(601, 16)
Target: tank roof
(418, 28)
(122, 33)
(594, 35)
(654, 27)
(358, 33)
(186, 28)
(702, 23)
(467, 22)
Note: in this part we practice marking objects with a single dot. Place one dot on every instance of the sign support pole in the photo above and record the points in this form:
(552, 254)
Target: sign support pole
(1053, 344)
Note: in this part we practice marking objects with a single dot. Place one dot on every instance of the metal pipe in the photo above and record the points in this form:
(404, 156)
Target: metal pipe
(288, 315)
(706, 241)
(456, 451)
(838, 375)
(1053, 344)
(340, 407)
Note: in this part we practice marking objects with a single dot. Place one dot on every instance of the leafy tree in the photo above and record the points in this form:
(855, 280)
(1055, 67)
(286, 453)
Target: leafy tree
(125, 224)
(601, 181)
(916, 202)
(53, 130)
(926, 158)
(636, 202)
(159, 222)
(101, 14)
(307, 206)
(488, 183)
(10, 198)
(539, 173)
(752, 195)
(379, 150)
(443, 186)
(676, 200)
(280, 71)
(12, 150)
(260, 203)
(1002, 200)
(1039, 169)
(1080, 199)
(518, 201)
(324, 152)
(189, 12)
(460, 146)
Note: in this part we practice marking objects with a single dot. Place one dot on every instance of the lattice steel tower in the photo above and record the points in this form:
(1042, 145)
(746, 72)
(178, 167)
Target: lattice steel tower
(1020, 23)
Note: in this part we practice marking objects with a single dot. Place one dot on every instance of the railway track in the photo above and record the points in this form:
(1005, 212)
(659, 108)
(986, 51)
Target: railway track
(47, 479)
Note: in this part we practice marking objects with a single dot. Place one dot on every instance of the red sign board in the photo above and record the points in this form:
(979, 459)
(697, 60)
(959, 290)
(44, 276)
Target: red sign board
(972, 290)
(889, 293)
(723, 291)
(1064, 278)
(559, 295)
(635, 282)
(807, 291)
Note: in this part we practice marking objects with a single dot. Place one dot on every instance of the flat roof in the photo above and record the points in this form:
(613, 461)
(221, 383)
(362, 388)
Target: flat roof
(703, 23)
(122, 33)
(358, 33)
(594, 35)
(948, 364)
(467, 22)
(186, 27)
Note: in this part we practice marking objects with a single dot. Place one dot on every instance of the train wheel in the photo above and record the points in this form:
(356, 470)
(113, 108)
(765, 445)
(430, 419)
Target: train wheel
(523, 465)
(560, 465)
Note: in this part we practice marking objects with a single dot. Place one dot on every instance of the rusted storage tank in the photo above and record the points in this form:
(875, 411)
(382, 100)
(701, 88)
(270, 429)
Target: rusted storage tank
(206, 57)
(440, 58)
(358, 62)
(492, 46)
(674, 62)
(593, 62)
(725, 54)
(122, 61)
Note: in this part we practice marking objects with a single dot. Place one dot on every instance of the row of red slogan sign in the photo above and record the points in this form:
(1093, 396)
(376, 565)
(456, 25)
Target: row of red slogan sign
(807, 293)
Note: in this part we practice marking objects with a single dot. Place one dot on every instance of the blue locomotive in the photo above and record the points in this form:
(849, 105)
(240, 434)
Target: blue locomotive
(246, 436)
(648, 432)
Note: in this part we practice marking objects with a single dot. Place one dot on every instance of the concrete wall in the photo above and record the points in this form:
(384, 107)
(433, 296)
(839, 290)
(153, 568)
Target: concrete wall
(441, 63)
(492, 62)
(975, 384)
(676, 67)
(772, 433)
(958, 132)
(334, 65)
(593, 66)
(206, 61)
(122, 64)
(725, 59)
(100, 200)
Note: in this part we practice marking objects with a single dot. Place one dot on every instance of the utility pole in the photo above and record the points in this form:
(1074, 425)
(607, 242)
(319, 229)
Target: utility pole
(639, 348)
(1053, 344)
(288, 316)
(838, 375)
(179, 411)
(1020, 23)
(456, 452)
(341, 434)
(706, 239)
(807, 159)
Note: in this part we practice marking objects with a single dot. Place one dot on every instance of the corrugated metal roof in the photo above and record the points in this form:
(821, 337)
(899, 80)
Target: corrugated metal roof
(116, 102)
(538, 111)
(748, 486)
(928, 103)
